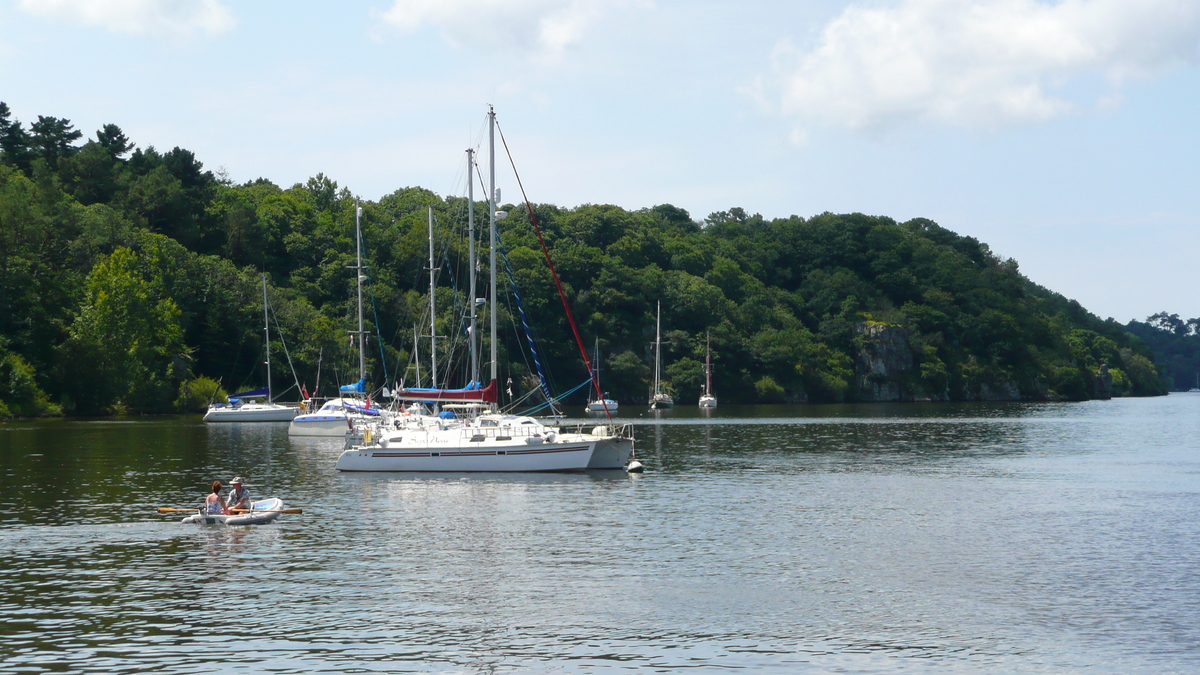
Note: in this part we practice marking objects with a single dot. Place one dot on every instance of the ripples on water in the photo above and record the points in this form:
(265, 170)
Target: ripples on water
(1002, 538)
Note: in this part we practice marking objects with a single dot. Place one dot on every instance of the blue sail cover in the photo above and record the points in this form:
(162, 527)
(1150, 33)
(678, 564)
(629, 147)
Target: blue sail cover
(359, 387)
(251, 394)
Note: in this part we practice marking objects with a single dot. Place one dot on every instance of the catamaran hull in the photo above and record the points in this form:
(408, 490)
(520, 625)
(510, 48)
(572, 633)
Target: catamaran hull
(530, 458)
(611, 453)
(278, 414)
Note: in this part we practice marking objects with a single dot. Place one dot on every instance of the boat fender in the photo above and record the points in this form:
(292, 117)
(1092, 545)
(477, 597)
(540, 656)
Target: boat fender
(534, 440)
(599, 431)
(383, 442)
(635, 466)
(550, 437)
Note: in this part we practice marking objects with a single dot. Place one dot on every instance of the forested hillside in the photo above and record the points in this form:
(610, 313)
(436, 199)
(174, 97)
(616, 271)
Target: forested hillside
(130, 282)
(1175, 344)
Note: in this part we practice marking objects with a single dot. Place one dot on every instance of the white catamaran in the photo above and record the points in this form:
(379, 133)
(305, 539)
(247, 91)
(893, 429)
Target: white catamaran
(238, 410)
(489, 440)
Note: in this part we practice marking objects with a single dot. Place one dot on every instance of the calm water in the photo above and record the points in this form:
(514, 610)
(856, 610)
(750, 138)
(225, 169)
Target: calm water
(914, 538)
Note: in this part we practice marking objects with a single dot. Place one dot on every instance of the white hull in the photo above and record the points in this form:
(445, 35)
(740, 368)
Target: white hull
(707, 401)
(476, 458)
(598, 406)
(611, 453)
(252, 412)
(325, 426)
(489, 444)
(248, 518)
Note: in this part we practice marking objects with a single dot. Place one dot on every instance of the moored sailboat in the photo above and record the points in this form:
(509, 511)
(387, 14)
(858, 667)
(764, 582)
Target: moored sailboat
(490, 440)
(254, 411)
(352, 406)
(659, 399)
(707, 400)
(601, 403)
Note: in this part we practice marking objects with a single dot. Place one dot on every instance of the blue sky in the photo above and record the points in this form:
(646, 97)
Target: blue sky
(1064, 134)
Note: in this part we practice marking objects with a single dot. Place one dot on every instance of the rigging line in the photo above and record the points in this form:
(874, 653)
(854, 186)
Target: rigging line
(378, 335)
(537, 361)
(558, 283)
(283, 342)
(530, 336)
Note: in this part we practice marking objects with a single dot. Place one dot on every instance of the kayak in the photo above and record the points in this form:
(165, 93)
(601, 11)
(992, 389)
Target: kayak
(262, 511)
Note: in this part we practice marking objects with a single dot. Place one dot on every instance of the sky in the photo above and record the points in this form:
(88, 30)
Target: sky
(1063, 133)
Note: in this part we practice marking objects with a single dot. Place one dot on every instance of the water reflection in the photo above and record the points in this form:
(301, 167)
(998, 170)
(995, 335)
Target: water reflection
(1001, 538)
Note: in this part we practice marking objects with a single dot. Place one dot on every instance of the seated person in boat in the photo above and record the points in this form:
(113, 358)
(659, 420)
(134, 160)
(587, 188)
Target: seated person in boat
(239, 497)
(213, 504)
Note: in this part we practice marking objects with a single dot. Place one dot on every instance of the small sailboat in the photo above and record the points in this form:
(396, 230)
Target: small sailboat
(237, 410)
(1197, 387)
(659, 399)
(601, 404)
(353, 406)
(707, 400)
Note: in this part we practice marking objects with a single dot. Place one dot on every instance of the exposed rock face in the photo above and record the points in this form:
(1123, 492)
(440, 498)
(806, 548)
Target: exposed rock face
(1104, 383)
(882, 363)
(1003, 390)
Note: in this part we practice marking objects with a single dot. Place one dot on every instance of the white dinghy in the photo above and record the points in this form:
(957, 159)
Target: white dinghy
(261, 511)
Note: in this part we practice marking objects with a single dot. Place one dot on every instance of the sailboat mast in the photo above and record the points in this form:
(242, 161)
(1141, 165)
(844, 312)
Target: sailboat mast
(471, 257)
(657, 347)
(362, 347)
(492, 228)
(707, 364)
(267, 334)
(432, 308)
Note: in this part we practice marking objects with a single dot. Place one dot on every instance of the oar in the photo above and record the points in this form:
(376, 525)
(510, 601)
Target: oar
(167, 509)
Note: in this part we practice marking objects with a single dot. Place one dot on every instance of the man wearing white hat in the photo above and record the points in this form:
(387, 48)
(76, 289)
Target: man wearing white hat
(239, 497)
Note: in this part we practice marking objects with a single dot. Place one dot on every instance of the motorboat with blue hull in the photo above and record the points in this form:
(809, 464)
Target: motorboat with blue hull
(261, 512)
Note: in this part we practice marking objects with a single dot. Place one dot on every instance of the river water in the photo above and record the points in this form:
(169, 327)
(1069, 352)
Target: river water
(1017, 538)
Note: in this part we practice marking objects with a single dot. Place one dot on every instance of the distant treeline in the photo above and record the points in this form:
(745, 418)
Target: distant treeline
(129, 282)
(1175, 344)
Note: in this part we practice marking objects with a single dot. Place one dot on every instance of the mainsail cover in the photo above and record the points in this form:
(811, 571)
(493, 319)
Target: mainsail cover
(487, 394)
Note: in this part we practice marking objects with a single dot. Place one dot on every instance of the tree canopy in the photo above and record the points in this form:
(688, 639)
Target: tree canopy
(128, 274)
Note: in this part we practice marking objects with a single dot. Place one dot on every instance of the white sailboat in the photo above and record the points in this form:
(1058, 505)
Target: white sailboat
(491, 440)
(659, 399)
(707, 400)
(352, 406)
(254, 411)
(602, 403)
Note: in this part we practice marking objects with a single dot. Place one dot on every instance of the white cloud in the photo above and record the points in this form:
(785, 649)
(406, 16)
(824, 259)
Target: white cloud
(976, 62)
(541, 27)
(138, 17)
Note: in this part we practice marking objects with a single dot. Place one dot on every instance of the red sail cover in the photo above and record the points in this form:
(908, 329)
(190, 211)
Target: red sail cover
(487, 394)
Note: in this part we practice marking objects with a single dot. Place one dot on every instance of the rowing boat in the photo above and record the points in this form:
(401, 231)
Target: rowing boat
(262, 511)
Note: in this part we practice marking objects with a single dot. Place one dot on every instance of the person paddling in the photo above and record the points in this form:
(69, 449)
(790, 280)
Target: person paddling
(213, 504)
(239, 497)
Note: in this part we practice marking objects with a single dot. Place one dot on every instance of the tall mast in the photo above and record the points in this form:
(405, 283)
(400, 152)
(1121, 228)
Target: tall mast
(708, 363)
(432, 309)
(362, 347)
(492, 227)
(267, 333)
(471, 256)
(657, 346)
